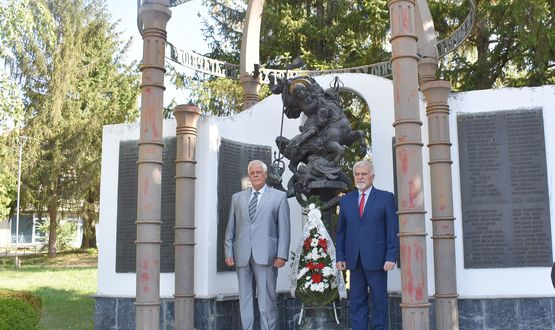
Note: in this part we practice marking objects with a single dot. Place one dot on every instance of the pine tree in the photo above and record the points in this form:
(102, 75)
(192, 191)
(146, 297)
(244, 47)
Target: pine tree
(66, 57)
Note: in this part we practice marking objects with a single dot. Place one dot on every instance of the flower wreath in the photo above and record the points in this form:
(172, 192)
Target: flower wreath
(314, 275)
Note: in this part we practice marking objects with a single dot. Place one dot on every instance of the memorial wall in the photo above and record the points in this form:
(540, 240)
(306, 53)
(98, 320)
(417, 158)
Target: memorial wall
(504, 191)
(503, 149)
(127, 207)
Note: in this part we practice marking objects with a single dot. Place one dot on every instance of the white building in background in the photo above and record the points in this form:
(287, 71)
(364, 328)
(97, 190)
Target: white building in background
(32, 232)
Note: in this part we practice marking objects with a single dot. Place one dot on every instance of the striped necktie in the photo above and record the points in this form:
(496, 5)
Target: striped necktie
(252, 205)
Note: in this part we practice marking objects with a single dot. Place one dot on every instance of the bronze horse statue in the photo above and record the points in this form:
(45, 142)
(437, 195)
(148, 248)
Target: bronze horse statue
(314, 153)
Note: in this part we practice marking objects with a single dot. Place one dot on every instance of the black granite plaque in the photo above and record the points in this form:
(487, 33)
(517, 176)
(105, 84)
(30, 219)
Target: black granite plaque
(505, 198)
(127, 207)
(233, 159)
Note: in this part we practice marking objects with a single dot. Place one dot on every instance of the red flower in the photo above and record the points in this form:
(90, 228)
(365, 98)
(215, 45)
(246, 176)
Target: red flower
(311, 265)
(320, 265)
(323, 243)
(307, 242)
(317, 278)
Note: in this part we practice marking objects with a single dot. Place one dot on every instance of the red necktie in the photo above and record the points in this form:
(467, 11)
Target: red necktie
(361, 205)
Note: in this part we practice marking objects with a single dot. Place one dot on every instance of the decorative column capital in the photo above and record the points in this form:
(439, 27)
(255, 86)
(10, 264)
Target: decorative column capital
(251, 87)
(436, 91)
(155, 14)
(427, 69)
(186, 115)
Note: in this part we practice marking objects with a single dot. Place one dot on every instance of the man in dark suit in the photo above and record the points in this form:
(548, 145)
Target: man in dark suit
(367, 245)
(257, 243)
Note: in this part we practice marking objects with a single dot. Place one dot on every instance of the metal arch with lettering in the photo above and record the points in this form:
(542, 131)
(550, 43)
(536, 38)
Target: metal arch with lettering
(217, 68)
(174, 3)
(452, 42)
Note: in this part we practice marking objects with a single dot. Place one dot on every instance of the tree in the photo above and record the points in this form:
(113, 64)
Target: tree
(11, 111)
(67, 58)
(512, 44)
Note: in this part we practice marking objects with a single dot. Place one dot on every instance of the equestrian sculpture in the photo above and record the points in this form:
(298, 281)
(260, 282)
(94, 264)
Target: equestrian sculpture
(314, 153)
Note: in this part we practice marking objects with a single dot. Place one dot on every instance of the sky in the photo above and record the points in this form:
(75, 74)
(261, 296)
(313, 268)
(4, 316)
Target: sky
(184, 31)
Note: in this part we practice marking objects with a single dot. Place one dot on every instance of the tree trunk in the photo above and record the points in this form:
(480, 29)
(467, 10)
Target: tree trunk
(90, 215)
(53, 214)
(89, 230)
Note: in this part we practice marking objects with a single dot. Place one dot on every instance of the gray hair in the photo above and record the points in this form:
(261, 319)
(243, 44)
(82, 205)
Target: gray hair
(364, 163)
(257, 162)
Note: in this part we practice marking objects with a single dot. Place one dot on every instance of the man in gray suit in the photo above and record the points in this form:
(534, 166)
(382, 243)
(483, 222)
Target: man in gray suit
(257, 243)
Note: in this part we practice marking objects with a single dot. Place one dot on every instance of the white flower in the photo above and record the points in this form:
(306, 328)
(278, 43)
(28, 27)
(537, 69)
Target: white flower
(318, 287)
(314, 242)
(302, 272)
(327, 271)
(313, 254)
(311, 206)
(314, 215)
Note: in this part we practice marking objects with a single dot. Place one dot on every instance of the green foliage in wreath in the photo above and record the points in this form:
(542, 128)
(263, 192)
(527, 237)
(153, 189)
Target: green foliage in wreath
(316, 280)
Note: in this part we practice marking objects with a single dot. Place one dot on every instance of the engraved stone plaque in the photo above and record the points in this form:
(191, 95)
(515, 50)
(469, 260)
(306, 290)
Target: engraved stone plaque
(127, 207)
(233, 159)
(505, 198)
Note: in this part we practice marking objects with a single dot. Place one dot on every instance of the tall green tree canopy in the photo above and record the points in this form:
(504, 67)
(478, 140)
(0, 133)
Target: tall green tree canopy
(11, 112)
(512, 43)
(67, 58)
(326, 34)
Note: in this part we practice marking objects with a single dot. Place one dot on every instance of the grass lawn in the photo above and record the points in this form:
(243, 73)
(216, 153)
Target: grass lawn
(65, 284)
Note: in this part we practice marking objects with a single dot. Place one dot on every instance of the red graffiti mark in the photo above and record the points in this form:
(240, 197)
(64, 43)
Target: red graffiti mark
(413, 194)
(396, 78)
(154, 129)
(145, 277)
(406, 257)
(442, 205)
(405, 20)
(404, 159)
(419, 293)
(145, 186)
(418, 253)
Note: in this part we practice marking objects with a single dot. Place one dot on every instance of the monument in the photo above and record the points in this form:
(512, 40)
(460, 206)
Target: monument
(315, 152)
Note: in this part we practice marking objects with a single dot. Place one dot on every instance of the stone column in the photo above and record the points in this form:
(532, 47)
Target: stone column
(154, 14)
(437, 110)
(250, 52)
(408, 151)
(185, 162)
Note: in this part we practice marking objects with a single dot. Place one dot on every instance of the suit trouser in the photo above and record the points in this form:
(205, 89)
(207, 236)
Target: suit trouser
(262, 280)
(360, 281)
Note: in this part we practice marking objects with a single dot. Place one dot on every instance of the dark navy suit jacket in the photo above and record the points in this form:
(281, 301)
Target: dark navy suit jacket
(374, 236)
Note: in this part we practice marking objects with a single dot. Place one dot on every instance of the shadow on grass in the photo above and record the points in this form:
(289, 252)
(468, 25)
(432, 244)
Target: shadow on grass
(65, 309)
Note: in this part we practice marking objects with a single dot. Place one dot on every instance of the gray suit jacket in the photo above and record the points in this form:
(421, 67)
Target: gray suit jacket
(266, 237)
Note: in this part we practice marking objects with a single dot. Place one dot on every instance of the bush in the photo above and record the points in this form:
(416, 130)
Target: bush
(65, 233)
(16, 314)
(27, 297)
